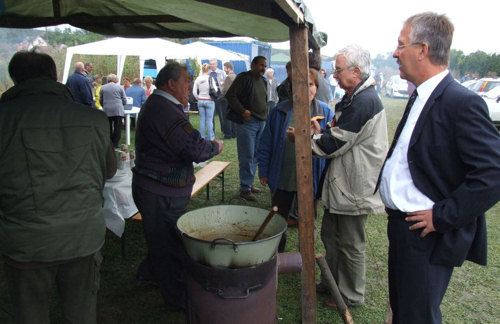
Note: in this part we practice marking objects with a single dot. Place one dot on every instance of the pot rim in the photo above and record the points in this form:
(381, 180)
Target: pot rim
(185, 234)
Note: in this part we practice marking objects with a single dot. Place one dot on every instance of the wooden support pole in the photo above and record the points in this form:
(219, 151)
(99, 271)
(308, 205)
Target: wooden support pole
(334, 290)
(303, 157)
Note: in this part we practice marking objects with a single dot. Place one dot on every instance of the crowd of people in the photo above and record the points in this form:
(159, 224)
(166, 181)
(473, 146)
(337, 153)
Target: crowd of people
(435, 181)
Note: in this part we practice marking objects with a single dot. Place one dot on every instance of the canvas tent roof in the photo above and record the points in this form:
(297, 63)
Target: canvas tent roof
(265, 20)
(202, 50)
(148, 48)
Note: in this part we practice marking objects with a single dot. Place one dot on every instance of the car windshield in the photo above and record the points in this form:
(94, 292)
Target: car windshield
(491, 85)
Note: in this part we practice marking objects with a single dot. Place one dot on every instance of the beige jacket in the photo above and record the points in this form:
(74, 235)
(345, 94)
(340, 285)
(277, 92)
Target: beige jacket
(357, 147)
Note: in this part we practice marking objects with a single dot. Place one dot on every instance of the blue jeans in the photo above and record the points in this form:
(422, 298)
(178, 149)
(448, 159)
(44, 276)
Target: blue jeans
(206, 109)
(247, 142)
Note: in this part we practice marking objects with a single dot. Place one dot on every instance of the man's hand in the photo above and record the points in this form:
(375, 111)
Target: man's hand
(423, 219)
(315, 127)
(290, 134)
(247, 115)
(263, 181)
(221, 145)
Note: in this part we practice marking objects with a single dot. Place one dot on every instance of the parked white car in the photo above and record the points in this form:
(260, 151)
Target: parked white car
(396, 87)
(485, 84)
(492, 99)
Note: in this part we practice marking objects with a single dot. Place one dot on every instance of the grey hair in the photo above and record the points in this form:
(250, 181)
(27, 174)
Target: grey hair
(172, 70)
(112, 78)
(356, 56)
(269, 70)
(435, 30)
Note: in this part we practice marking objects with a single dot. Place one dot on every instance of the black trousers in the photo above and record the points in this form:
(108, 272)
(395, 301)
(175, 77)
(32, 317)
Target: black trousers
(115, 128)
(165, 262)
(286, 201)
(32, 283)
(416, 287)
(228, 127)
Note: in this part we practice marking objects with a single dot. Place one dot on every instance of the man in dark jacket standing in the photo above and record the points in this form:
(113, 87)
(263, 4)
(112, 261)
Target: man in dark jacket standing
(442, 173)
(247, 97)
(80, 87)
(166, 147)
(55, 156)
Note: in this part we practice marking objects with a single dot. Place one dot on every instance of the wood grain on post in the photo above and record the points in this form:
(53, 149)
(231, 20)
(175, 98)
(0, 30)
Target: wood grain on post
(303, 158)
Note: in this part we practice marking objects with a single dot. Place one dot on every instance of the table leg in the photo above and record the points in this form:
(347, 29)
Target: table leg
(127, 128)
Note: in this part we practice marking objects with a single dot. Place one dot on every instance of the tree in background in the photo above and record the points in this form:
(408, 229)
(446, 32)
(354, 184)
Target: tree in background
(478, 62)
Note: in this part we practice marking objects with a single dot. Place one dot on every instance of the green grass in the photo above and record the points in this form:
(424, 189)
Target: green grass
(472, 297)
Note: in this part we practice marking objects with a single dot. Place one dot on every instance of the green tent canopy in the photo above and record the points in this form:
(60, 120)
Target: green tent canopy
(265, 20)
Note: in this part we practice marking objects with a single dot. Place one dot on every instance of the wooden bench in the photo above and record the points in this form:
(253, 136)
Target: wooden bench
(205, 175)
(214, 169)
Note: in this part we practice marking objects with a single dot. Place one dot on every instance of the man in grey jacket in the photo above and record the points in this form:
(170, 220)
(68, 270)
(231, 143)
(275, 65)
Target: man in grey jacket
(112, 98)
(356, 144)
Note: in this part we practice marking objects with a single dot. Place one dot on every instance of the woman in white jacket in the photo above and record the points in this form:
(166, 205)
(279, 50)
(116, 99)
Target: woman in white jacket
(206, 105)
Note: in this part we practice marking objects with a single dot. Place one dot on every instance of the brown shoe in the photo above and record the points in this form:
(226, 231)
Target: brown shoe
(321, 288)
(329, 303)
(247, 195)
(255, 190)
(292, 222)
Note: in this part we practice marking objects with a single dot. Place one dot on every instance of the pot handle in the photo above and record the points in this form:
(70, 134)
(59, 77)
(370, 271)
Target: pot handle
(220, 292)
(224, 240)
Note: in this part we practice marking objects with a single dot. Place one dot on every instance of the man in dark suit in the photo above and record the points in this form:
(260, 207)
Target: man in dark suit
(442, 173)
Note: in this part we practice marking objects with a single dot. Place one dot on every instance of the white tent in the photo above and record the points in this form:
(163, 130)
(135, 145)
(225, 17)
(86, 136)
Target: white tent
(148, 48)
(145, 48)
(205, 51)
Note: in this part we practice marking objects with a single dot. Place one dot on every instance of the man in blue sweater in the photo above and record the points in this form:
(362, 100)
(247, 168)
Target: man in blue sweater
(79, 86)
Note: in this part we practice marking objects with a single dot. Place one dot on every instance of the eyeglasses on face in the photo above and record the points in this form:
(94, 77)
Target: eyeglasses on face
(339, 70)
(401, 46)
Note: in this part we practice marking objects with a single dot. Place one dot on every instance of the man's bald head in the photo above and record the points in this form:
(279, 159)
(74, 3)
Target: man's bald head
(79, 66)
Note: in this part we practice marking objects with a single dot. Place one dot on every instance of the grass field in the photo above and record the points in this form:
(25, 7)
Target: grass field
(472, 297)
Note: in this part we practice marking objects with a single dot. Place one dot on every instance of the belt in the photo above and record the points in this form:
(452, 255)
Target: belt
(395, 213)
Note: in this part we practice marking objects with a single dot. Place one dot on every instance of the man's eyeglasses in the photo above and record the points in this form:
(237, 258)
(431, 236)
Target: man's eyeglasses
(339, 70)
(400, 47)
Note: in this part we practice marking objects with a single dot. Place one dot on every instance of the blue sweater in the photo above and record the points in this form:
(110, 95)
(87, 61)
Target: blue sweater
(272, 143)
(80, 89)
(138, 94)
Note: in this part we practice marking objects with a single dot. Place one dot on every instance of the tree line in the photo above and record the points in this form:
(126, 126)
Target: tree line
(478, 63)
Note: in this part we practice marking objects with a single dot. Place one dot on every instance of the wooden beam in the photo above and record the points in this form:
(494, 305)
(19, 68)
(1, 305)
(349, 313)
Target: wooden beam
(56, 8)
(303, 157)
(292, 10)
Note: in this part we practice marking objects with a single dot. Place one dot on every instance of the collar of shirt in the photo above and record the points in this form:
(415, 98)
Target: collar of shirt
(167, 96)
(425, 89)
(397, 189)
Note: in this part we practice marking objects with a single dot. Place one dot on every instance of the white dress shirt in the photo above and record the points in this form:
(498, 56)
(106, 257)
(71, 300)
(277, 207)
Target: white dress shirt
(397, 188)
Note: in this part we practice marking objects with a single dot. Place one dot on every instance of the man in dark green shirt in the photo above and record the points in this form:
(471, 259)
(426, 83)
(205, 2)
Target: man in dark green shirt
(248, 98)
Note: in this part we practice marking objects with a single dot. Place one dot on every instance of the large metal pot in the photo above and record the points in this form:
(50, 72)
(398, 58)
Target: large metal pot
(221, 236)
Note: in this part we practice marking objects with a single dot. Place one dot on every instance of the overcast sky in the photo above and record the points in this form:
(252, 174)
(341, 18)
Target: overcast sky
(375, 25)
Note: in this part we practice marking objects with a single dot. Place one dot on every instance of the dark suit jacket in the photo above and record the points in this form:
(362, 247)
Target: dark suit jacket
(454, 159)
